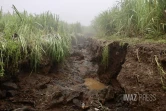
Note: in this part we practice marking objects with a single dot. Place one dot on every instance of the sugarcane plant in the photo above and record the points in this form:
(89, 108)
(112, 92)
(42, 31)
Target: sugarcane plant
(32, 38)
(133, 18)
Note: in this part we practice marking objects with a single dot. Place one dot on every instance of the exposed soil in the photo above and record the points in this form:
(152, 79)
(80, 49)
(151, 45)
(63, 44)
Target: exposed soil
(82, 82)
(140, 75)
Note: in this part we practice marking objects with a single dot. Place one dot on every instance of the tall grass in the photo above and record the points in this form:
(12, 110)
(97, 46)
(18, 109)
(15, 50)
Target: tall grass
(30, 37)
(133, 18)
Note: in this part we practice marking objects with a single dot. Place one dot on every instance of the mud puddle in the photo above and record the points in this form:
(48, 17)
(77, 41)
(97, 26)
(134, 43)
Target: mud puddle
(93, 84)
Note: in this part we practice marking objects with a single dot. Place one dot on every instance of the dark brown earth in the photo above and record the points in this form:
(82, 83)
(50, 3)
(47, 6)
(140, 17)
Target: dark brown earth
(73, 85)
(141, 75)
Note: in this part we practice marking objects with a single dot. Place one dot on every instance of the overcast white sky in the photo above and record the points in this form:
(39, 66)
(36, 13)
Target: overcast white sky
(71, 11)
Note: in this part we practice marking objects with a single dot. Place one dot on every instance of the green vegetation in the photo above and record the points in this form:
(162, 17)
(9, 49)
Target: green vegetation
(105, 56)
(133, 18)
(33, 38)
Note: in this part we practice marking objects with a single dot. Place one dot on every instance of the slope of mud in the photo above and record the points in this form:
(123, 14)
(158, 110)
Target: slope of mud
(83, 83)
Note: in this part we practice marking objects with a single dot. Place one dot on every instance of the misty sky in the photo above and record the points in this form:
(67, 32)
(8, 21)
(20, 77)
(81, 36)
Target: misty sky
(70, 11)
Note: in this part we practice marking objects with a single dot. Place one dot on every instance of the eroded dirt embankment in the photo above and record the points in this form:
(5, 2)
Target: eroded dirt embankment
(135, 69)
(82, 82)
(140, 74)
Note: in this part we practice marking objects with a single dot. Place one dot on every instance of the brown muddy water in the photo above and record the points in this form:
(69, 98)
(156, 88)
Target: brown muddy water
(93, 84)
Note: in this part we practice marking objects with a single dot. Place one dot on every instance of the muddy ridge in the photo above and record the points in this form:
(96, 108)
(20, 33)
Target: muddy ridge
(83, 83)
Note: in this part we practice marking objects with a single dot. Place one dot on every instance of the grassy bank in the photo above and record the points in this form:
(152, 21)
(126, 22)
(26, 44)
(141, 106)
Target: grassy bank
(33, 38)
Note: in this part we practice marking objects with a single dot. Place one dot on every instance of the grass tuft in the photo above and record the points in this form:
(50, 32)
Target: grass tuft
(105, 56)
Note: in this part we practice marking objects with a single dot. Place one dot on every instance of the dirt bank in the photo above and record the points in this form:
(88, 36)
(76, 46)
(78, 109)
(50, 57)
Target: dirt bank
(140, 75)
(82, 82)
(134, 69)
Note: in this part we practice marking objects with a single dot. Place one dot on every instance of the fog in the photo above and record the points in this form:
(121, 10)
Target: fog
(71, 11)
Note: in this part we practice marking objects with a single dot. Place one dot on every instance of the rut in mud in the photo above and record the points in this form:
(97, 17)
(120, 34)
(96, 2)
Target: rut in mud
(82, 82)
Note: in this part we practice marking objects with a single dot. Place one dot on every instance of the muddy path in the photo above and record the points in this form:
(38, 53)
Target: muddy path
(73, 85)
(83, 83)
